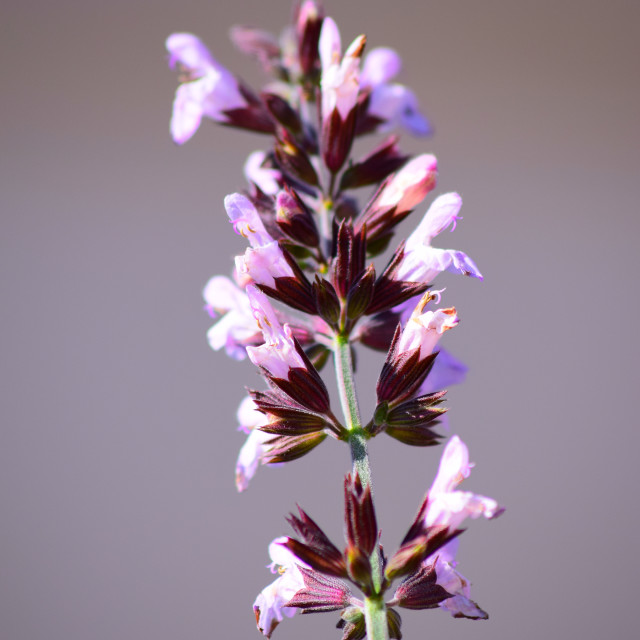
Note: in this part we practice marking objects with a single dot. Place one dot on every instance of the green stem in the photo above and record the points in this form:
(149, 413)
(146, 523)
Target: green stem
(374, 610)
(346, 383)
(375, 618)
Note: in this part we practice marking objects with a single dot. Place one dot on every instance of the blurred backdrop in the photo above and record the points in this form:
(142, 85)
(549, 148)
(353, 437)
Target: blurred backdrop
(120, 519)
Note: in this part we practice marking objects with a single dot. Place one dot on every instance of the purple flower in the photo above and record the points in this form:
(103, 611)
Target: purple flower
(237, 327)
(409, 186)
(422, 262)
(447, 506)
(269, 605)
(452, 581)
(254, 447)
(423, 330)
(246, 220)
(264, 264)
(266, 179)
(279, 354)
(264, 261)
(207, 89)
(394, 104)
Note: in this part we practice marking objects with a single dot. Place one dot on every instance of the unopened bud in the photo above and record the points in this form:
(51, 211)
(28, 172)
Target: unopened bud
(360, 294)
(409, 186)
(295, 219)
(359, 568)
(308, 28)
(282, 111)
(293, 159)
(327, 301)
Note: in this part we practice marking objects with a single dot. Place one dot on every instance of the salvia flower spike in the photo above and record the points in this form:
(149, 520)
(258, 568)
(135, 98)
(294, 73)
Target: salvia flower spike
(307, 290)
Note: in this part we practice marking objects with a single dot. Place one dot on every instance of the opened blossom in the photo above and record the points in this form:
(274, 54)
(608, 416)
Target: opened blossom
(250, 456)
(208, 89)
(424, 330)
(278, 354)
(313, 247)
(264, 260)
(265, 178)
(421, 262)
(236, 327)
(452, 581)
(450, 507)
(392, 103)
(269, 606)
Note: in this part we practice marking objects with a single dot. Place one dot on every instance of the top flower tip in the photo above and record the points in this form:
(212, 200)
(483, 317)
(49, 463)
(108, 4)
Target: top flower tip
(188, 50)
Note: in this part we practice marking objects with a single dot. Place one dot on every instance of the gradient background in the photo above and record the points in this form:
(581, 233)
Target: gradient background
(120, 519)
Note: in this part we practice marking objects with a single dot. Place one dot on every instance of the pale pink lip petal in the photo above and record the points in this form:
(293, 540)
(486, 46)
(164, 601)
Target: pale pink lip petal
(207, 89)
(221, 295)
(278, 355)
(189, 51)
(421, 262)
(268, 180)
(269, 605)
(329, 45)
(236, 327)
(186, 116)
(246, 220)
(249, 458)
(450, 507)
(442, 213)
(264, 263)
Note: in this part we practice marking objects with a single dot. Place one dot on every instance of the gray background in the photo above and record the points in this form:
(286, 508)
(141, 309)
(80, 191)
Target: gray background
(120, 519)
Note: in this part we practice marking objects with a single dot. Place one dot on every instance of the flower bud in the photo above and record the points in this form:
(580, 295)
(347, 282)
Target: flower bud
(282, 111)
(420, 590)
(360, 293)
(394, 622)
(295, 219)
(257, 43)
(327, 301)
(308, 25)
(320, 593)
(375, 167)
(400, 193)
(288, 448)
(409, 186)
(294, 160)
(339, 84)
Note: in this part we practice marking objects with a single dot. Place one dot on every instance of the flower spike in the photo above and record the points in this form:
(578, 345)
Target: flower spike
(307, 291)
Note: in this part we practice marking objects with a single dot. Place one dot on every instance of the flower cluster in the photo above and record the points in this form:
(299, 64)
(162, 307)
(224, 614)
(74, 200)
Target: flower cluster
(314, 574)
(307, 289)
